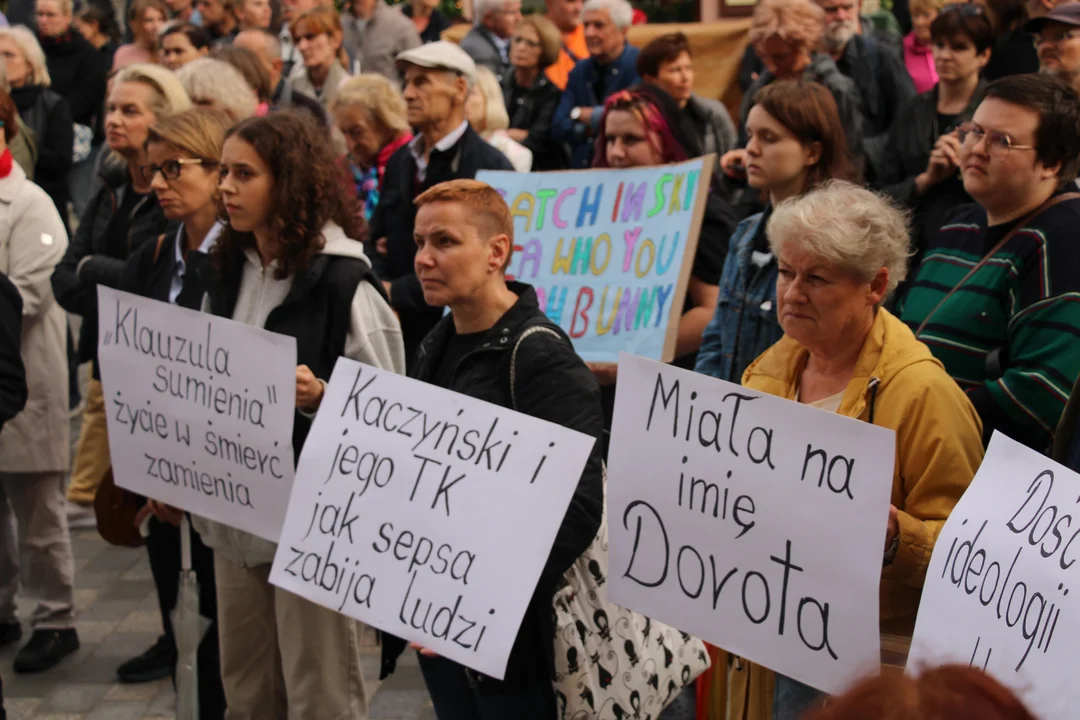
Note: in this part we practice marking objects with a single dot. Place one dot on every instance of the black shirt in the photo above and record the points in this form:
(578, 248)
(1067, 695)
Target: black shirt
(456, 348)
(118, 242)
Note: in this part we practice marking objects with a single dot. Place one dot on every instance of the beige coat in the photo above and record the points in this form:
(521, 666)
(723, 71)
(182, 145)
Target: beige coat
(32, 241)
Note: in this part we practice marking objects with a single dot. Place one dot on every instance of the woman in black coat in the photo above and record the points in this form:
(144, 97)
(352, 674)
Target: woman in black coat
(530, 97)
(923, 150)
(12, 372)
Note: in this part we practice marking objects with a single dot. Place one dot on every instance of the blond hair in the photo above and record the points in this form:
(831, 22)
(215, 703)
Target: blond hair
(31, 50)
(799, 22)
(550, 38)
(380, 99)
(66, 6)
(846, 225)
(495, 116)
(168, 94)
(218, 84)
(200, 132)
(484, 204)
(925, 7)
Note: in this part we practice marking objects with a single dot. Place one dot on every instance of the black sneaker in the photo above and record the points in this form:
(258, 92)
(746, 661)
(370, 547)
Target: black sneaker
(10, 632)
(156, 663)
(45, 649)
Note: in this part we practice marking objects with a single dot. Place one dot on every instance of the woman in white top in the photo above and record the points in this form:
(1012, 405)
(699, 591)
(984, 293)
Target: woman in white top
(486, 111)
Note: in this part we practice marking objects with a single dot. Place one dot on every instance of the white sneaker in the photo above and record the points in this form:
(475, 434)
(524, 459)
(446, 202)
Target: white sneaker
(80, 516)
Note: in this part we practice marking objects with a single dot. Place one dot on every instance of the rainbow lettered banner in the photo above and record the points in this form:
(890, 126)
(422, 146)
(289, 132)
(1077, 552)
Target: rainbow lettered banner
(608, 251)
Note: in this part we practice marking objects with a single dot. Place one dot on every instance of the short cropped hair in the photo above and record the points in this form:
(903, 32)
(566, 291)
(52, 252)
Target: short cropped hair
(621, 12)
(481, 200)
(975, 26)
(379, 97)
(1057, 139)
(215, 82)
(799, 22)
(848, 226)
(199, 132)
(28, 45)
(661, 50)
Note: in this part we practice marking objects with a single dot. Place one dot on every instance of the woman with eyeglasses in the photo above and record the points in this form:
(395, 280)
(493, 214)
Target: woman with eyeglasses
(1013, 52)
(318, 36)
(183, 153)
(923, 151)
(531, 98)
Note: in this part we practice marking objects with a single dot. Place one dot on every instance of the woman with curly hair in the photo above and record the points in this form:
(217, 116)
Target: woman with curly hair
(289, 261)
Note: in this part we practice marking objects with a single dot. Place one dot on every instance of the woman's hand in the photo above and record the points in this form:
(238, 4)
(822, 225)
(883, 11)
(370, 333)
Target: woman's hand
(606, 372)
(733, 163)
(309, 391)
(423, 650)
(894, 527)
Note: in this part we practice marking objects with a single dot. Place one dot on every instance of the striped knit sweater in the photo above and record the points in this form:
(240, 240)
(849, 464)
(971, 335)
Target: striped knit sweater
(1025, 301)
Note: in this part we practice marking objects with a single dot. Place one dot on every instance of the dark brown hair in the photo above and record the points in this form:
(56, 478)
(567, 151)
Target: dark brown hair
(807, 109)
(249, 65)
(950, 692)
(195, 34)
(1057, 139)
(308, 192)
(660, 50)
(1007, 14)
(966, 21)
(8, 115)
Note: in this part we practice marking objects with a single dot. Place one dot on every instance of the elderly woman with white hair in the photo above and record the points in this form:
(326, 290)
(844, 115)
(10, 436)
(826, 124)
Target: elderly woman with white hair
(44, 111)
(122, 214)
(841, 251)
(486, 111)
(216, 84)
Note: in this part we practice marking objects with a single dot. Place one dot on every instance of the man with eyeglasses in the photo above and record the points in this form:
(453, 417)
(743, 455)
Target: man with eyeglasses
(488, 43)
(1057, 41)
(997, 297)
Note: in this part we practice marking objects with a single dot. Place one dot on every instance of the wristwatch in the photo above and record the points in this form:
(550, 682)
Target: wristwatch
(575, 114)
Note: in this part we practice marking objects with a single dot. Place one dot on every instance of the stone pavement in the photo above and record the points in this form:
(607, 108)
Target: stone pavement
(117, 618)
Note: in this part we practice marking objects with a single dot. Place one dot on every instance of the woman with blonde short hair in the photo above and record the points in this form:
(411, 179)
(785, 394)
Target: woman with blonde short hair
(841, 250)
(369, 111)
(486, 111)
(212, 83)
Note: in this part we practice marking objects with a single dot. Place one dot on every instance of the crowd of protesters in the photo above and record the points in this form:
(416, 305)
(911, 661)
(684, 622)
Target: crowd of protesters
(886, 236)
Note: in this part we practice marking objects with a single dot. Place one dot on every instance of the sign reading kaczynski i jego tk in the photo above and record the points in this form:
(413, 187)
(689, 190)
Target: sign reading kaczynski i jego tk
(1002, 591)
(199, 410)
(609, 251)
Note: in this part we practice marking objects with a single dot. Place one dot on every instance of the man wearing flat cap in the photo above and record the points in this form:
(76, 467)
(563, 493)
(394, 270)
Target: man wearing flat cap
(1057, 41)
(438, 77)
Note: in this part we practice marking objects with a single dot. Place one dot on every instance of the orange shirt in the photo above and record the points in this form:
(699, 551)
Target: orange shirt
(575, 42)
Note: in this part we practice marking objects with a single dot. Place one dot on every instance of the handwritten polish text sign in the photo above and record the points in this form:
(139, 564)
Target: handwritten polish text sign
(199, 410)
(1001, 592)
(609, 251)
(426, 513)
(753, 522)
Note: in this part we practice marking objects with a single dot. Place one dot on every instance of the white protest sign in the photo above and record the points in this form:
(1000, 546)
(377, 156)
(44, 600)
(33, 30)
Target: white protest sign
(426, 513)
(1003, 569)
(199, 410)
(753, 522)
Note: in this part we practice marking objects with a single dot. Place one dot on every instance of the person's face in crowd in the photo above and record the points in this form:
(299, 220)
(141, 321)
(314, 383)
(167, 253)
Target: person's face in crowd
(841, 21)
(318, 50)
(995, 176)
(603, 38)
(783, 59)
(246, 185)
(18, 69)
(256, 14)
(88, 30)
(1058, 46)
(128, 117)
(819, 304)
(431, 95)
(256, 43)
(505, 20)
(149, 26)
(362, 134)
(212, 11)
(178, 7)
(454, 259)
(526, 48)
(566, 14)
(920, 24)
(676, 78)
(629, 142)
(292, 9)
(775, 159)
(51, 20)
(956, 59)
(182, 189)
(177, 51)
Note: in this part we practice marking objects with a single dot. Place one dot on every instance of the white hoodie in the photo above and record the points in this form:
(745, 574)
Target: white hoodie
(374, 338)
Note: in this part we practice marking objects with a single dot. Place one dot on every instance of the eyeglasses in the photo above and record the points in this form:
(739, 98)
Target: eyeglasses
(171, 169)
(998, 144)
(519, 40)
(1054, 39)
(965, 9)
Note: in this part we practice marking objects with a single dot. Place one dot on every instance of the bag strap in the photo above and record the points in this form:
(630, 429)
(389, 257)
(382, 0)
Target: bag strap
(513, 357)
(1050, 202)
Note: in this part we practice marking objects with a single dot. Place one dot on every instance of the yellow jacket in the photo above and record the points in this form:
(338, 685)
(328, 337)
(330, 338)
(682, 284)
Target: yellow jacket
(897, 384)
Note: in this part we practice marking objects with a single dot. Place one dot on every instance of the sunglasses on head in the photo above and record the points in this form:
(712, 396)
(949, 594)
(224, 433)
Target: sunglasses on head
(965, 9)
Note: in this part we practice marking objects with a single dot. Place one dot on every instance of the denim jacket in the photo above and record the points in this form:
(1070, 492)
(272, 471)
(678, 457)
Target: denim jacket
(744, 324)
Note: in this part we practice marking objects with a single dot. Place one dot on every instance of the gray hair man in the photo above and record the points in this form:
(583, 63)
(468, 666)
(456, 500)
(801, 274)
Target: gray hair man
(488, 43)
